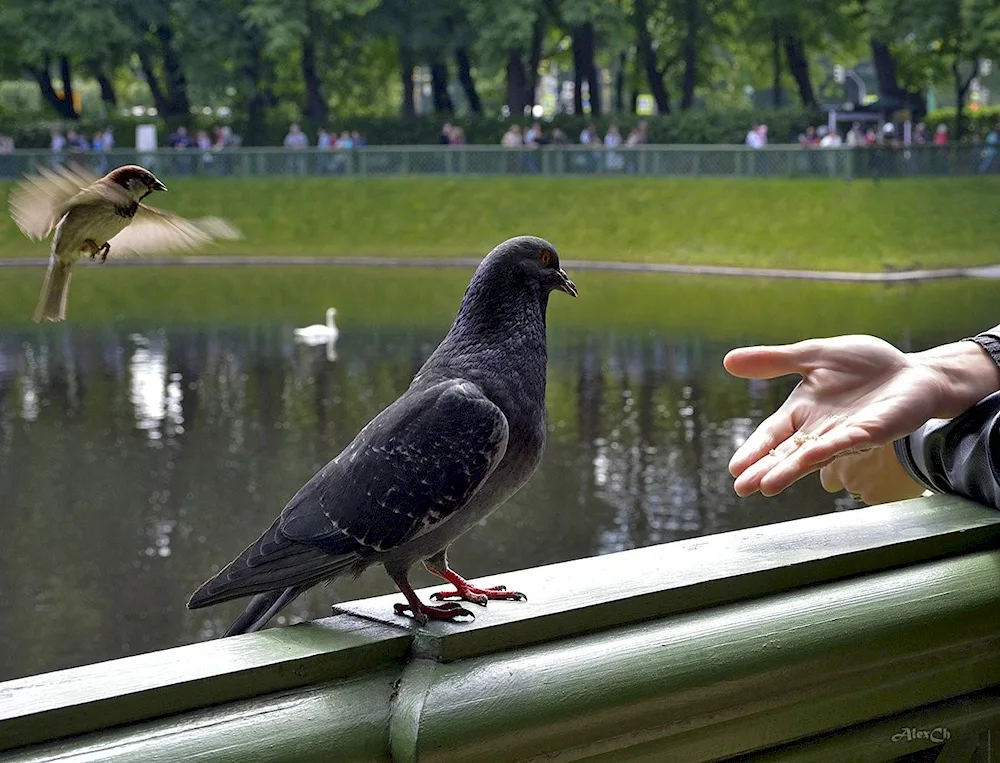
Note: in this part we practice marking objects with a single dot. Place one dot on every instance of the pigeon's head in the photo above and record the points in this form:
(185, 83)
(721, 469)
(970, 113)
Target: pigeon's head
(137, 181)
(534, 259)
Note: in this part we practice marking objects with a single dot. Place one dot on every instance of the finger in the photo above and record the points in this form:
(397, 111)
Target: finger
(799, 464)
(774, 430)
(768, 362)
(831, 440)
(829, 479)
(749, 481)
(838, 441)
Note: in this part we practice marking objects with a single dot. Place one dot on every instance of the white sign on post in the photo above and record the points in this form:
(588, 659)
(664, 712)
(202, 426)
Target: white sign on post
(145, 138)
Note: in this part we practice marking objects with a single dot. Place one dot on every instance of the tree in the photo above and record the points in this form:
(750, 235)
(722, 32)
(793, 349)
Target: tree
(955, 35)
(509, 38)
(301, 31)
(54, 37)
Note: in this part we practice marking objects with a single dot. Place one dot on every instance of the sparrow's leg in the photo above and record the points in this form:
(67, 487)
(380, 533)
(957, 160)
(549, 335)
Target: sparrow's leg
(103, 251)
(92, 248)
(423, 612)
(438, 565)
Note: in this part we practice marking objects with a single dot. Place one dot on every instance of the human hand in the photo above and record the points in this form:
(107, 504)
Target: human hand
(875, 476)
(856, 393)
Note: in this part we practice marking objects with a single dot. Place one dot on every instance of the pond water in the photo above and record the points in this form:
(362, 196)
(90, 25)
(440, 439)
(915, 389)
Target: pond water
(142, 444)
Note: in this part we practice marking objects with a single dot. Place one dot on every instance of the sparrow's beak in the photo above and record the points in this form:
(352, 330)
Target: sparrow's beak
(566, 285)
(157, 186)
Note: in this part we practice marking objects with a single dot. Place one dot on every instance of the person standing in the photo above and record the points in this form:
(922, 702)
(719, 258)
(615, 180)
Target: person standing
(296, 140)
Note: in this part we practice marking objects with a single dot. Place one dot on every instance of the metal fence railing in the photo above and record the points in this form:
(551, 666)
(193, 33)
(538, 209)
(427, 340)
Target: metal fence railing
(658, 161)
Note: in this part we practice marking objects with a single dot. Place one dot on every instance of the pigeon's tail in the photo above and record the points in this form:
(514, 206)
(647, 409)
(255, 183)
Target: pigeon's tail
(275, 569)
(55, 292)
(262, 608)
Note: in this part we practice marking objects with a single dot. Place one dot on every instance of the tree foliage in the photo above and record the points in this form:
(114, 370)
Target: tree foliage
(319, 61)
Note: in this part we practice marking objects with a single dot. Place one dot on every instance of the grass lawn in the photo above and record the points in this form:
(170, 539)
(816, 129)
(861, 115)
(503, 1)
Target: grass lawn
(817, 224)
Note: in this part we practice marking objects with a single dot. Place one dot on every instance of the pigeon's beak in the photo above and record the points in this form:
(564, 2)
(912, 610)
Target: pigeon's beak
(156, 185)
(566, 285)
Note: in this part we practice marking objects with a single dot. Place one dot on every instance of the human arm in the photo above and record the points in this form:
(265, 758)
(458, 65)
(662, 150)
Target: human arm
(857, 393)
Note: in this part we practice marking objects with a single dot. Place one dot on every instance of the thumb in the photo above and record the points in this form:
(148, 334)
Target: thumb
(768, 362)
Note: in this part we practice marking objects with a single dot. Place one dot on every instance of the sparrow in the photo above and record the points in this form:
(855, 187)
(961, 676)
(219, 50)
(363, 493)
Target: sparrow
(90, 214)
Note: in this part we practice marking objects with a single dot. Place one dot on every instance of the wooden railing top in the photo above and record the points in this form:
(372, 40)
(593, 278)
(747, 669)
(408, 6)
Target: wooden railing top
(565, 600)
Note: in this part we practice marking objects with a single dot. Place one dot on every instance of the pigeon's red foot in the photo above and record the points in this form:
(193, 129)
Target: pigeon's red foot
(424, 612)
(465, 591)
(103, 251)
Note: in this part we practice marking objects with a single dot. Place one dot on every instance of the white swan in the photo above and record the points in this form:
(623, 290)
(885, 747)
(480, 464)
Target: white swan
(318, 333)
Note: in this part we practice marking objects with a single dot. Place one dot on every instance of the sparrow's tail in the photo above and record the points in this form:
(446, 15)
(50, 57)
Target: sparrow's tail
(55, 291)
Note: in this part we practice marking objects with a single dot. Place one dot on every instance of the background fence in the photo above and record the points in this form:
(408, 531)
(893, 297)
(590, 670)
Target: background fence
(658, 161)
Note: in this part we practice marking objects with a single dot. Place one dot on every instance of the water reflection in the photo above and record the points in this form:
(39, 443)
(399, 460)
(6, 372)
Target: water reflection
(133, 464)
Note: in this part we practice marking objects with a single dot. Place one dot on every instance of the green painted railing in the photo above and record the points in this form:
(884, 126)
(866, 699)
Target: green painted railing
(858, 636)
(658, 161)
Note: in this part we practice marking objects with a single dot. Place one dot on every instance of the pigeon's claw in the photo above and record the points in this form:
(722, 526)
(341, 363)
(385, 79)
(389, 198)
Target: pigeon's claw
(481, 596)
(465, 591)
(424, 612)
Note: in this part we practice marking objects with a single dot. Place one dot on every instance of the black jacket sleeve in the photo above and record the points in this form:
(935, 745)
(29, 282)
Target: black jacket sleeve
(960, 455)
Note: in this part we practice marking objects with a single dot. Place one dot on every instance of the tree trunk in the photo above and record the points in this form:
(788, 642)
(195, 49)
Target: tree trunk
(465, 78)
(64, 109)
(170, 97)
(584, 68)
(66, 73)
(439, 89)
(517, 84)
(176, 83)
(776, 65)
(619, 105)
(799, 67)
(406, 78)
(885, 71)
(535, 56)
(108, 94)
(648, 58)
(522, 81)
(577, 80)
(962, 85)
(260, 98)
(690, 54)
(146, 64)
(316, 109)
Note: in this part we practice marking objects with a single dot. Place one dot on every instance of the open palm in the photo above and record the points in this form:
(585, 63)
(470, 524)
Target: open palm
(856, 393)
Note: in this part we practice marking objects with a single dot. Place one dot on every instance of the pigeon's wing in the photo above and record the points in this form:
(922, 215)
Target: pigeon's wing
(154, 230)
(413, 466)
(410, 469)
(39, 201)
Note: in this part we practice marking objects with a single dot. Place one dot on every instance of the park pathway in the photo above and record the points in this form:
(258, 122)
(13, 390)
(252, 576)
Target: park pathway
(899, 276)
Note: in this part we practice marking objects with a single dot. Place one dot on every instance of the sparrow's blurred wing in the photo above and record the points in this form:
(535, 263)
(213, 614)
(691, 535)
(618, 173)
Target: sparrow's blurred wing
(154, 230)
(39, 201)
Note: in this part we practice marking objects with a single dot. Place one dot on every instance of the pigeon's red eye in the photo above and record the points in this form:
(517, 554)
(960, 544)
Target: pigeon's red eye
(545, 257)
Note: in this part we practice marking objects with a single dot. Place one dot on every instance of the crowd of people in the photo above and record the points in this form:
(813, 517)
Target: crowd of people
(325, 151)
(326, 139)
(221, 137)
(535, 136)
(858, 135)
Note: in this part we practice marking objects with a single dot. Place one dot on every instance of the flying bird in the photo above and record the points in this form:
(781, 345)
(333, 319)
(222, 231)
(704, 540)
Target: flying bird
(90, 215)
(464, 437)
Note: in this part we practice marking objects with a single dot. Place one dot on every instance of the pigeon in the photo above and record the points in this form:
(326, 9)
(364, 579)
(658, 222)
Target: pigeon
(464, 437)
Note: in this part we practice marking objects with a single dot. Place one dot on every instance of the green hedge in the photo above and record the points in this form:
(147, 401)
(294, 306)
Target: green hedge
(694, 127)
(975, 123)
